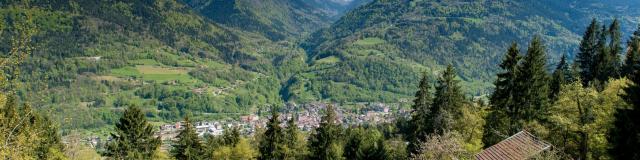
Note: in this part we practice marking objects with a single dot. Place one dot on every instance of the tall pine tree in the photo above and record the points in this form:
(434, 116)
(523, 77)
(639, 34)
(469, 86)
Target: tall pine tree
(532, 91)
(324, 143)
(273, 146)
(625, 136)
(447, 103)
(615, 47)
(133, 137)
(561, 76)
(188, 145)
(420, 114)
(588, 51)
(633, 53)
(364, 144)
(295, 141)
(501, 115)
(605, 64)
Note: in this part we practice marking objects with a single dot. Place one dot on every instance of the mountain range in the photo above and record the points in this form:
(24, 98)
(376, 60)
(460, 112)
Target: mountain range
(211, 58)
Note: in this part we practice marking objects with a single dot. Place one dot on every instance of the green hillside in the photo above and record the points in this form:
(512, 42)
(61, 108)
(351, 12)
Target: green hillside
(382, 47)
(212, 58)
(91, 59)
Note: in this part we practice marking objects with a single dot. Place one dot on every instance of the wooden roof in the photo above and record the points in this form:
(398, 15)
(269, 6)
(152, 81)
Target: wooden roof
(522, 145)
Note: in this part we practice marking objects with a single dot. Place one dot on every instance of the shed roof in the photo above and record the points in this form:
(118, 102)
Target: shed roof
(522, 145)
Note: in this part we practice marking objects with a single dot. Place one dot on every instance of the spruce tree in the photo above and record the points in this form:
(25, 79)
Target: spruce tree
(188, 145)
(588, 51)
(625, 136)
(532, 91)
(605, 64)
(447, 103)
(364, 144)
(294, 141)
(561, 76)
(615, 47)
(500, 118)
(324, 143)
(133, 137)
(231, 136)
(273, 145)
(420, 114)
(633, 53)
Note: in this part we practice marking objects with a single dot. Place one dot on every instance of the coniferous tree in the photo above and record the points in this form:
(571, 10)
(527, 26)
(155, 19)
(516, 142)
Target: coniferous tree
(324, 143)
(625, 136)
(133, 137)
(231, 136)
(532, 91)
(188, 145)
(420, 114)
(615, 47)
(273, 145)
(364, 144)
(633, 53)
(604, 65)
(501, 115)
(447, 103)
(561, 76)
(294, 141)
(588, 50)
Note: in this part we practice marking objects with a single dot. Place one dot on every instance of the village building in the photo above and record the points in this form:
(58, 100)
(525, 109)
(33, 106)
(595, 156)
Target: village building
(522, 145)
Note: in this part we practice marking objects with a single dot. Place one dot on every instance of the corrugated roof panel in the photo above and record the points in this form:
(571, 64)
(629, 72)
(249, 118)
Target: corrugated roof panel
(521, 145)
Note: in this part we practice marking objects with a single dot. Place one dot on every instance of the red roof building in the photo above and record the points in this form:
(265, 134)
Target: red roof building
(522, 145)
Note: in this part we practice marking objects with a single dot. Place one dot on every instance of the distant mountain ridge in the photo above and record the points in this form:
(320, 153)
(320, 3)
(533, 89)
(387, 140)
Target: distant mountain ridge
(411, 36)
(276, 19)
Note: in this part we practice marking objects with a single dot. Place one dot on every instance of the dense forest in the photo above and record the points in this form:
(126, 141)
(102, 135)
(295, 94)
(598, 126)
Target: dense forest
(119, 69)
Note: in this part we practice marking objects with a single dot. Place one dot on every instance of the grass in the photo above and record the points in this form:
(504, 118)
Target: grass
(163, 73)
(369, 41)
(125, 72)
(329, 60)
(367, 52)
(145, 62)
(155, 73)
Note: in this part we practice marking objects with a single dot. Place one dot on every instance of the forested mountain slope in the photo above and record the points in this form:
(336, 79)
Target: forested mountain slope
(275, 19)
(382, 46)
(90, 59)
(212, 58)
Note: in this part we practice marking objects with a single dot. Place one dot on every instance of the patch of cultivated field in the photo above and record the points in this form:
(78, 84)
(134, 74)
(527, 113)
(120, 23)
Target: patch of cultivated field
(153, 72)
(369, 41)
(106, 78)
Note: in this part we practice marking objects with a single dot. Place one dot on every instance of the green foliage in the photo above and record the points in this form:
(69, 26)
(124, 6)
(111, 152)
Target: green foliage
(430, 34)
(532, 96)
(364, 144)
(502, 116)
(295, 141)
(133, 137)
(572, 115)
(445, 146)
(188, 145)
(273, 144)
(241, 151)
(632, 57)
(228, 146)
(447, 103)
(324, 143)
(420, 116)
(561, 75)
(26, 134)
(624, 136)
(588, 51)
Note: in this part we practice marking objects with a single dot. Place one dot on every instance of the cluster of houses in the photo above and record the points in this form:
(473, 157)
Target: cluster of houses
(306, 116)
